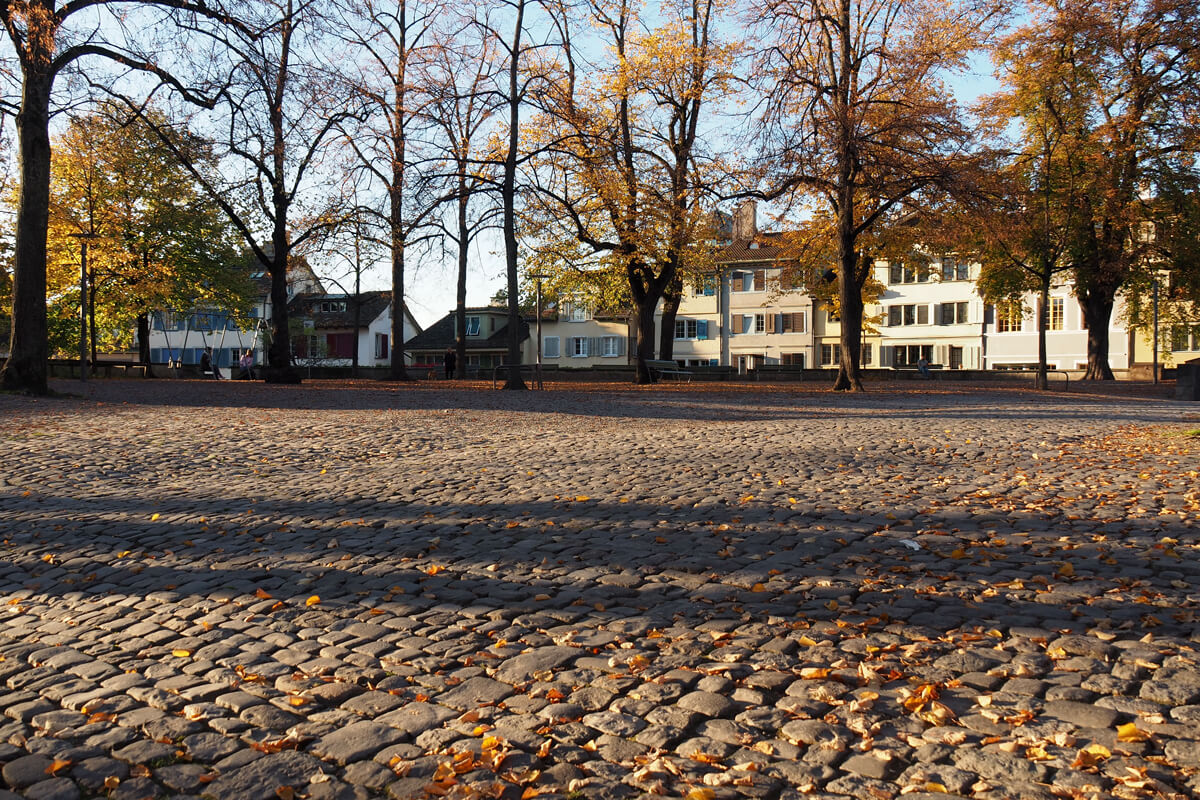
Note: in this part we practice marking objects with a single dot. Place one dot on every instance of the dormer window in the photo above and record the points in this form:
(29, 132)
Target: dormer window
(332, 306)
(473, 326)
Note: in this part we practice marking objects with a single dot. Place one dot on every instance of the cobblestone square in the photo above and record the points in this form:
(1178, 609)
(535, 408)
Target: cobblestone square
(232, 590)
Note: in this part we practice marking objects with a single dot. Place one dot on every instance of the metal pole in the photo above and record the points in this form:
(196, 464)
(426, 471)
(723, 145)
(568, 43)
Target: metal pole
(1156, 327)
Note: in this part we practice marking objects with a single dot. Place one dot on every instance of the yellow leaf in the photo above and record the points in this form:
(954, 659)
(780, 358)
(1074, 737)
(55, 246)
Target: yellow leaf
(154, 517)
(807, 641)
(958, 553)
(285, 793)
(312, 601)
(936, 788)
(832, 605)
(583, 498)
(112, 782)
(181, 653)
(1066, 569)
(700, 793)
(296, 700)
(1130, 732)
(262, 595)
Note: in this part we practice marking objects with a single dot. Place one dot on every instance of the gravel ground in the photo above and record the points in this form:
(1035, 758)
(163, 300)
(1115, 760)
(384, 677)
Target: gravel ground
(234, 590)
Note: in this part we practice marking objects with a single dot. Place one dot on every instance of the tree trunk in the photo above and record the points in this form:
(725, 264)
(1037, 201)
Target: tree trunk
(460, 304)
(25, 368)
(645, 337)
(1097, 310)
(849, 374)
(143, 337)
(666, 335)
(509, 193)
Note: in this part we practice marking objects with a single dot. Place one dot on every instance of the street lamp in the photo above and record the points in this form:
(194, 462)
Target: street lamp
(83, 291)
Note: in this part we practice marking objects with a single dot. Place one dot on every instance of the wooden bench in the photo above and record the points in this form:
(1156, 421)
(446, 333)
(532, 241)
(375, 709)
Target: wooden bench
(658, 368)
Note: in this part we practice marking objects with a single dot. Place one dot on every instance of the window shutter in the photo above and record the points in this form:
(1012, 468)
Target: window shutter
(800, 321)
(702, 329)
(989, 315)
(737, 321)
(785, 323)
(939, 313)
(887, 356)
(771, 322)
(923, 314)
(759, 280)
(939, 354)
(594, 347)
(620, 345)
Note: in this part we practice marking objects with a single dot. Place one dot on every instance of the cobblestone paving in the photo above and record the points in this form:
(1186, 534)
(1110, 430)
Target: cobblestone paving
(240, 591)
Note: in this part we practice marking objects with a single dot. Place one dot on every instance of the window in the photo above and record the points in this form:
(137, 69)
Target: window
(831, 355)
(578, 311)
(381, 346)
(550, 347)
(832, 316)
(707, 286)
(955, 270)
(685, 329)
(792, 359)
(748, 281)
(610, 346)
(202, 322)
(760, 323)
(742, 323)
(910, 314)
(1055, 323)
(907, 355)
(1008, 318)
(896, 273)
(578, 346)
(795, 322)
(339, 345)
(956, 357)
(865, 356)
(954, 313)
(473, 326)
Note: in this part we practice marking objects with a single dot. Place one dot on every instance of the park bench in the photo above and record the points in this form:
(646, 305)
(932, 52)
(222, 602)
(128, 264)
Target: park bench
(658, 368)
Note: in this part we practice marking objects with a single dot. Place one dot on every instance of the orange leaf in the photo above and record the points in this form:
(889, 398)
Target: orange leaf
(285, 793)
(312, 601)
(57, 764)
(262, 595)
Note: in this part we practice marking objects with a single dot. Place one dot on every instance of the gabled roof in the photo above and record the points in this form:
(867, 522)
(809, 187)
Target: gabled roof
(440, 335)
(309, 305)
(765, 247)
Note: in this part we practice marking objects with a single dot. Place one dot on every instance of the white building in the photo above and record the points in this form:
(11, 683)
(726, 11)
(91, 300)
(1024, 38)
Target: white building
(930, 311)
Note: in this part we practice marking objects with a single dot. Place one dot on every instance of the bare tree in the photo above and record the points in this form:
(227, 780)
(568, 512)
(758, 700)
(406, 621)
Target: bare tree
(461, 106)
(279, 120)
(391, 40)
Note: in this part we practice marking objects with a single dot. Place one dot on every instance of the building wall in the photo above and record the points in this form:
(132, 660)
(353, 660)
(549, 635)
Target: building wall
(578, 341)
(1066, 347)
(931, 313)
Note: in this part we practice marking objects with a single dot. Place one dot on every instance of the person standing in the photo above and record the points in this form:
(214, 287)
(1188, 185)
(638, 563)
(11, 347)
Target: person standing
(449, 361)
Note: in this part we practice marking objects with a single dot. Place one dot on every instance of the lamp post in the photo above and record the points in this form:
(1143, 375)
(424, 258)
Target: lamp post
(83, 306)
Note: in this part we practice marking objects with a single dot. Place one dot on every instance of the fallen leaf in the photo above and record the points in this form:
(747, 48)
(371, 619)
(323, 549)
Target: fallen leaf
(1130, 732)
(181, 653)
(312, 601)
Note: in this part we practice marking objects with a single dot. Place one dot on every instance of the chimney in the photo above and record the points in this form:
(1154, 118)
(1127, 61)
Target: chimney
(745, 221)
